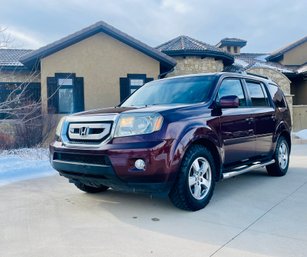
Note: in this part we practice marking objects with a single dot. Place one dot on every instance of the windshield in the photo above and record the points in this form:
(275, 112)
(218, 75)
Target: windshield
(184, 90)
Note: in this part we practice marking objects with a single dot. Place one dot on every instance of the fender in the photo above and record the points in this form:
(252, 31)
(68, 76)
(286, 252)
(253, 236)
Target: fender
(282, 127)
(190, 134)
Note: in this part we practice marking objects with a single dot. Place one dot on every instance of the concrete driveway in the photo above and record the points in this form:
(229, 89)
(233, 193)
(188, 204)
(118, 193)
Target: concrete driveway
(249, 215)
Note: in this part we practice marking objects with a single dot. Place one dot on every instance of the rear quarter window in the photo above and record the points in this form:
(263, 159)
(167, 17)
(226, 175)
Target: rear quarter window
(277, 96)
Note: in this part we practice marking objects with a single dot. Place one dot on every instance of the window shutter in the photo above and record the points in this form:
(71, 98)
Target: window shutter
(124, 88)
(53, 95)
(78, 94)
(148, 80)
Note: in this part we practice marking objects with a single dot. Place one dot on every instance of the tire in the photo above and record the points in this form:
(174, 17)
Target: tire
(90, 189)
(281, 157)
(195, 182)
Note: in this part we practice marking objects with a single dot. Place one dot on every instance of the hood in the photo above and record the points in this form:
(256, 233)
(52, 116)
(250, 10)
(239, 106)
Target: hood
(118, 110)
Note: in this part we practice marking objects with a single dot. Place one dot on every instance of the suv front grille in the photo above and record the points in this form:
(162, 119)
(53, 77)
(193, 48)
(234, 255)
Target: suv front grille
(94, 132)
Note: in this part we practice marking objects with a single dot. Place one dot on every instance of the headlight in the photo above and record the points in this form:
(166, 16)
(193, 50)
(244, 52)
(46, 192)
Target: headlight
(59, 127)
(138, 124)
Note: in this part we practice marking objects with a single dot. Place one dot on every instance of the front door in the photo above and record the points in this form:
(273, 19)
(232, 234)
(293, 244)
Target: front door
(236, 124)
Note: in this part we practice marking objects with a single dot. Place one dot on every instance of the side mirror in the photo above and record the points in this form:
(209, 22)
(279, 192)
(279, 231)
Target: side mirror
(229, 101)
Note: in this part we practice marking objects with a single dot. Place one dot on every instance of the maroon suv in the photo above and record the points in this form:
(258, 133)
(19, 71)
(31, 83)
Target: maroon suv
(179, 135)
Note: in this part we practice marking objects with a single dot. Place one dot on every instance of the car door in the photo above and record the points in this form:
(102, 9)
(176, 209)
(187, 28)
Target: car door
(236, 124)
(263, 115)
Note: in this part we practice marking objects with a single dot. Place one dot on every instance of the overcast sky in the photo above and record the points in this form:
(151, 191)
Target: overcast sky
(266, 24)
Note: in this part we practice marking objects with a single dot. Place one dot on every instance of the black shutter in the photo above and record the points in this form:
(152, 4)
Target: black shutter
(124, 88)
(148, 80)
(78, 95)
(53, 95)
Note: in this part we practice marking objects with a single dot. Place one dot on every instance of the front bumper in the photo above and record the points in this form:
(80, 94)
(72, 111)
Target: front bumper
(113, 165)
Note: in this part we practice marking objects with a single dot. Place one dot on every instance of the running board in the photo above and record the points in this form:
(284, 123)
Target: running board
(245, 169)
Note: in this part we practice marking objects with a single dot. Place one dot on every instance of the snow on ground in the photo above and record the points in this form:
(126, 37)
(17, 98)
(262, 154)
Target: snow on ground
(302, 134)
(22, 164)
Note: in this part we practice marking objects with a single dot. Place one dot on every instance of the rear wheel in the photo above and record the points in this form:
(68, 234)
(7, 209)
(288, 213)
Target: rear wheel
(195, 183)
(90, 189)
(281, 157)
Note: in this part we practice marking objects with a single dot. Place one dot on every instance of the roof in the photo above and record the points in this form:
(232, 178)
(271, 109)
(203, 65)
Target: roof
(302, 69)
(33, 58)
(247, 61)
(278, 54)
(231, 41)
(187, 46)
(9, 58)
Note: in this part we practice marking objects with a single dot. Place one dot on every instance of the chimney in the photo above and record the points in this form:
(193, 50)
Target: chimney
(232, 45)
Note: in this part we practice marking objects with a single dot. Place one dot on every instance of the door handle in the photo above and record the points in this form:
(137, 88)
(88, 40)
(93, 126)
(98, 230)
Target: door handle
(249, 119)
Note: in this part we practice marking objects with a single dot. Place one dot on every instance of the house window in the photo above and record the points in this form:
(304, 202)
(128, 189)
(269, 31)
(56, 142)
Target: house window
(65, 93)
(235, 49)
(228, 49)
(25, 93)
(135, 84)
(131, 83)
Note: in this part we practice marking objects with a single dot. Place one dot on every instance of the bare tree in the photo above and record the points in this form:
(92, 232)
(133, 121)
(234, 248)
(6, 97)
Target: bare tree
(5, 38)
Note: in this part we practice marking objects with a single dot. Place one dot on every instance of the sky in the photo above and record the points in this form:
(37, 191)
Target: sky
(266, 24)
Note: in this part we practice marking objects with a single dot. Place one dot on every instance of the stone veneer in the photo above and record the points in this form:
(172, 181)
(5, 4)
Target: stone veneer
(19, 76)
(193, 64)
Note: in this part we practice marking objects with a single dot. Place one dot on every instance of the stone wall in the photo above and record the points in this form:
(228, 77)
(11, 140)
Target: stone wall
(19, 76)
(193, 64)
(299, 117)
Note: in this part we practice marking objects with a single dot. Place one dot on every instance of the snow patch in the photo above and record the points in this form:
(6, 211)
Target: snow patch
(241, 62)
(302, 134)
(23, 164)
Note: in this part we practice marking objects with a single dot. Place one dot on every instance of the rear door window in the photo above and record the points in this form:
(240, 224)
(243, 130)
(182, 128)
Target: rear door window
(257, 94)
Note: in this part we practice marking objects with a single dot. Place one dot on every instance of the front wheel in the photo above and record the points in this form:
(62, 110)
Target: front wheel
(281, 157)
(195, 183)
(90, 189)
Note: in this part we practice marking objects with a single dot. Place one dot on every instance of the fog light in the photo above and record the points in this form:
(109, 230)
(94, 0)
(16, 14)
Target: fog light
(139, 164)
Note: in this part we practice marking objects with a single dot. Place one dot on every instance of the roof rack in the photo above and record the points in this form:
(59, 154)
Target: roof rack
(257, 75)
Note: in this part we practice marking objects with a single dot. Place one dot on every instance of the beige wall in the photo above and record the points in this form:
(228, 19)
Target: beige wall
(192, 65)
(299, 117)
(101, 60)
(296, 56)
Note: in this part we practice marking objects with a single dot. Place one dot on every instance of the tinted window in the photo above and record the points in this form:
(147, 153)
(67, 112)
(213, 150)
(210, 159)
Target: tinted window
(277, 96)
(232, 87)
(186, 90)
(257, 94)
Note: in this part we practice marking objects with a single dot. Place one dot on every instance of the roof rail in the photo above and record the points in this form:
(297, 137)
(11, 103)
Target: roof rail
(257, 75)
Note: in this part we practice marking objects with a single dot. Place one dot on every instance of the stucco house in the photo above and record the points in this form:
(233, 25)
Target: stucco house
(95, 67)
(100, 66)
